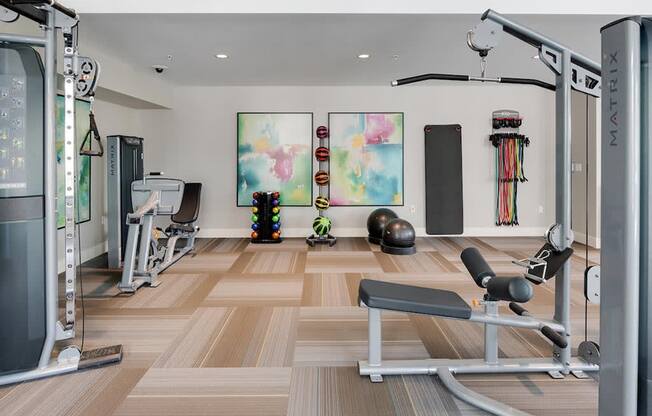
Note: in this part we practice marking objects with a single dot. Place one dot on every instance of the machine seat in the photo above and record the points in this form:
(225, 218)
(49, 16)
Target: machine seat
(180, 228)
(189, 210)
(414, 299)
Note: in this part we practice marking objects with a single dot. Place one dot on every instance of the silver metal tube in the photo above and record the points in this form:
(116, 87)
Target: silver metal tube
(491, 334)
(69, 163)
(472, 366)
(526, 322)
(145, 239)
(50, 185)
(27, 40)
(621, 220)
(563, 196)
(537, 37)
(53, 369)
(130, 257)
(475, 399)
(375, 337)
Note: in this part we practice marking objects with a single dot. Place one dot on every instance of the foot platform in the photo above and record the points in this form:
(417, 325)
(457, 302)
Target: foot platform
(101, 357)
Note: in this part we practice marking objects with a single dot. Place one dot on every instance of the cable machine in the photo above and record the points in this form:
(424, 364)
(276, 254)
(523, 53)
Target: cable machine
(28, 192)
(572, 71)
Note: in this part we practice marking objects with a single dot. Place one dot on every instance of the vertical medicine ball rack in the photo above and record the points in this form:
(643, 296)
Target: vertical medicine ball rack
(322, 154)
(510, 156)
(266, 218)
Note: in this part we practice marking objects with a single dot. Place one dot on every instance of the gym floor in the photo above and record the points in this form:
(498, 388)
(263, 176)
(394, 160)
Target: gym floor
(241, 329)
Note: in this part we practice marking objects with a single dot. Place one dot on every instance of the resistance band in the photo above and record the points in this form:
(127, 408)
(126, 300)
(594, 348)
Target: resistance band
(510, 158)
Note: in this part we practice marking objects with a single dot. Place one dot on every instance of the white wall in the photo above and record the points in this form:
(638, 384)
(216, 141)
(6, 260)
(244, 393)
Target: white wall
(121, 78)
(196, 141)
(111, 119)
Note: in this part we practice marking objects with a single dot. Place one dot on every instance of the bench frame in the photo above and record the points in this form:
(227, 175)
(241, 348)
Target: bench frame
(376, 368)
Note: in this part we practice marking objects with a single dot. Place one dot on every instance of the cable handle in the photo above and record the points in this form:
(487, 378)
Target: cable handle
(553, 336)
(518, 309)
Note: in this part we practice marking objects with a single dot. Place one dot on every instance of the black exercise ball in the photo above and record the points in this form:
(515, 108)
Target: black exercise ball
(399, 233)
(377, 221)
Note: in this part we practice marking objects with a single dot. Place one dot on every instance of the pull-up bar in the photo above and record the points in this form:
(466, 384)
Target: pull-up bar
(456, 77)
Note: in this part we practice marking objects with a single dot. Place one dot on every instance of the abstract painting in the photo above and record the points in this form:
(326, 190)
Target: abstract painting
(366, 159)
(275, 154)
(83, 191)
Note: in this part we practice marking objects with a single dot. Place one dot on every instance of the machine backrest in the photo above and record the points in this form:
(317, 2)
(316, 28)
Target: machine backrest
(189, 210)
(171, 193)
(555, 260)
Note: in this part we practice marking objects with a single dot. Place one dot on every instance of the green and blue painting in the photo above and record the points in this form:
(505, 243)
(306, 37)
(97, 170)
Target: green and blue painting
(275, 154)
(366, 159)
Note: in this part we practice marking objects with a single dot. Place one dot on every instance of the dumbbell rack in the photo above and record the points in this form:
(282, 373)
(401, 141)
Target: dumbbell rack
(323, 191)
(264, 224)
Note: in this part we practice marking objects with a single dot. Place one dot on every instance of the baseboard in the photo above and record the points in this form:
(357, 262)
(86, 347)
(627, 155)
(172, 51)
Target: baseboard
(362, 232)
(86, 254)
(593, 241)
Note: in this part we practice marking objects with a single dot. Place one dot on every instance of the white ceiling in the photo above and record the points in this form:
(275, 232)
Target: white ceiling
(313, 49)
(362, 6)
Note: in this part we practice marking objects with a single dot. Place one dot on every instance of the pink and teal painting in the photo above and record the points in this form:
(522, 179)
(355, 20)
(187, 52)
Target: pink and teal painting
(366, 159)
(275, 154)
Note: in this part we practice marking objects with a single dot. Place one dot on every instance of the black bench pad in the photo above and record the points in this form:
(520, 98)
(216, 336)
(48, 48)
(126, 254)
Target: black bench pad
(405, 298)
(180, 228)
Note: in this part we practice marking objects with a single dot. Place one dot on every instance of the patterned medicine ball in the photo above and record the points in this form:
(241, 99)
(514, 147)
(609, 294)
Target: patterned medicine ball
(321, 177)
(322, 203)
(321, 153)
(321, 225)
(322, 132)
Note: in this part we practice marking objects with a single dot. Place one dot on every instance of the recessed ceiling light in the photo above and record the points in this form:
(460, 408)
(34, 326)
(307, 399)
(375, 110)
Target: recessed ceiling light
(221, 56)
(364, 56)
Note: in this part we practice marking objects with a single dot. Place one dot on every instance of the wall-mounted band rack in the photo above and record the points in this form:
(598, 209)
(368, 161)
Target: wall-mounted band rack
(510, 168)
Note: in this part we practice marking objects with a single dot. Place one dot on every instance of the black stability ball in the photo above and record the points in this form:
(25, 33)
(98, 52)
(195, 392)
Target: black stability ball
(376, 223)
(399, 233)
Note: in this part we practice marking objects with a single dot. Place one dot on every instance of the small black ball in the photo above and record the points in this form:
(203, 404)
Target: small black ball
(399, 233)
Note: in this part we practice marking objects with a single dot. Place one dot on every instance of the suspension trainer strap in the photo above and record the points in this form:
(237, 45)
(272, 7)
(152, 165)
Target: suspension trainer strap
(93, 133)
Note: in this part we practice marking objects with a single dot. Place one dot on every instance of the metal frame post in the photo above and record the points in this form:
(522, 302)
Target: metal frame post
(130, 258)
(375, 337)
(145, 240)
(50, 187)
(621, 219)
(563, 197)
(491, 334)
(70, 177)
(645, 309)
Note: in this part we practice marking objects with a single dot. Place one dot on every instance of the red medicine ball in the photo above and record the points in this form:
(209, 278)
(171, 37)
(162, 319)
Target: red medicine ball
(321, 177)
(321, 153)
